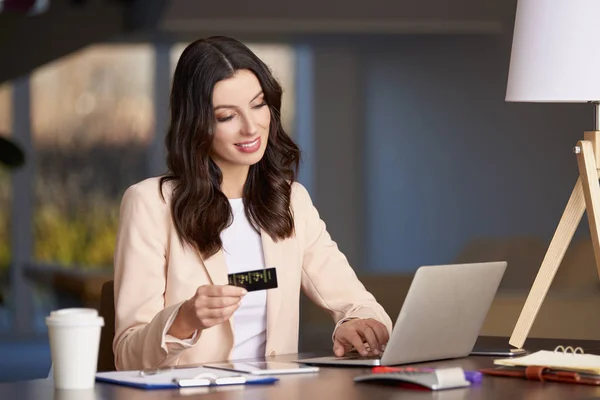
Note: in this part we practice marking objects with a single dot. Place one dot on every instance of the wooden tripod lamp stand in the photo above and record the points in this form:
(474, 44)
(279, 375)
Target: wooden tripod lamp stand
(556, 58)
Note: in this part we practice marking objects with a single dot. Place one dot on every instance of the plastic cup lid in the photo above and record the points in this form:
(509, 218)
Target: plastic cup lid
(75, 316)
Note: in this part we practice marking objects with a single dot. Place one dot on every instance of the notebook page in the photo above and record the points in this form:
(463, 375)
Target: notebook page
(568, 361)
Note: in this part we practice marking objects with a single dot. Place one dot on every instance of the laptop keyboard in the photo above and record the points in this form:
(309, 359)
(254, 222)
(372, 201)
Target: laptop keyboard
(359, 357)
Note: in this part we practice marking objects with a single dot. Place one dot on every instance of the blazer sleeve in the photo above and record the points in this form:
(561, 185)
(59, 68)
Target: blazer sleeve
(140, 263)
(327, 277)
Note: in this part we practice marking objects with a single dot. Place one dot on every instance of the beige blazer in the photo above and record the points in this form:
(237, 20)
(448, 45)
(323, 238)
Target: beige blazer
(155, 273)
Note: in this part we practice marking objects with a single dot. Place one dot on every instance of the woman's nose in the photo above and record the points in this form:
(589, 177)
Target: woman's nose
(250, 127)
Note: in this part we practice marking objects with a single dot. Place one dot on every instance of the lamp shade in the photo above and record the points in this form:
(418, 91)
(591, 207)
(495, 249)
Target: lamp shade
(555, 53)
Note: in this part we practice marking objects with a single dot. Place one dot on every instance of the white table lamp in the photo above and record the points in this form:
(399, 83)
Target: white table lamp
(555, 58)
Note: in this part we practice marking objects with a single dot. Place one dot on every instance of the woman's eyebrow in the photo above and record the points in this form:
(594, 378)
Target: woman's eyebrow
(228, 106)
(257, 95)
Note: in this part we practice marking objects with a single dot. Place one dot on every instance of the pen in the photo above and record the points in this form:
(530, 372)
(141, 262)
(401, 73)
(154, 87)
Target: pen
(209, 380)
(149, 372)
(471, 376)
(382, 370)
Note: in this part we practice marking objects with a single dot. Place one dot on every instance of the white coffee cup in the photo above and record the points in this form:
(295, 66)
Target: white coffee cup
(74, 335)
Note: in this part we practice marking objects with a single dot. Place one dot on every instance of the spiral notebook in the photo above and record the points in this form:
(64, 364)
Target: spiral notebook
(562, 358)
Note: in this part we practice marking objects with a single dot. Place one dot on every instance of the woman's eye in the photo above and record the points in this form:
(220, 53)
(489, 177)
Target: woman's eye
(225, 119)
(260, 105)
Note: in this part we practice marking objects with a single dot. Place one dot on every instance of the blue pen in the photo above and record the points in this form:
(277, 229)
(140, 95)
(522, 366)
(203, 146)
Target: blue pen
(473, 376)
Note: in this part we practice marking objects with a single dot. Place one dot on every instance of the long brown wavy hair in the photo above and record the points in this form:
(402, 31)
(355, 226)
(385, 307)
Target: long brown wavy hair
(199, 209)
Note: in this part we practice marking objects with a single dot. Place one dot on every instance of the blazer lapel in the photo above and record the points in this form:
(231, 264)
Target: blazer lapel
(217, 268)
(273, 259)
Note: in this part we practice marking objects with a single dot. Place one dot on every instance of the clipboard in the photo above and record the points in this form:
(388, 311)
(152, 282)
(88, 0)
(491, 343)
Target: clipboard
(176, 378)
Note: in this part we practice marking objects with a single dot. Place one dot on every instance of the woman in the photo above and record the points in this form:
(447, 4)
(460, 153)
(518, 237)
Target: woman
(229, 204)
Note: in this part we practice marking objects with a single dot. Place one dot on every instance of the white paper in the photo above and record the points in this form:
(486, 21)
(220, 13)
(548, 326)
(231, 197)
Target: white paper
(558, 360)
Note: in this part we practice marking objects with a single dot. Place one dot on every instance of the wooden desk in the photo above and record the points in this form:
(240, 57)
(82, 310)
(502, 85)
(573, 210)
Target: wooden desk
(334, 383)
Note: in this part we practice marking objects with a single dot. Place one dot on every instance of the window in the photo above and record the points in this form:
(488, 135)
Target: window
(92, 119)
(5, 109)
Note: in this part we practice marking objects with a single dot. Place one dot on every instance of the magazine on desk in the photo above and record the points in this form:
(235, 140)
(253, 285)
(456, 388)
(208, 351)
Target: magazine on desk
(173, 378)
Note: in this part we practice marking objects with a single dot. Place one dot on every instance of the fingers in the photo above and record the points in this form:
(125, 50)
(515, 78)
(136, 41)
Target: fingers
(341, 348)
(208, 317)
(217, 302)
(221, 291)
(367, 336)
(380, 331)
(367, 333)
(356, 340)
(338, 348)
(223, 312)
(214, 304)
(211, 296)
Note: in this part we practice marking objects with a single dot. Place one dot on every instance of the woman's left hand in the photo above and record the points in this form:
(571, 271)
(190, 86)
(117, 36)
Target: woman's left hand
(367, 336)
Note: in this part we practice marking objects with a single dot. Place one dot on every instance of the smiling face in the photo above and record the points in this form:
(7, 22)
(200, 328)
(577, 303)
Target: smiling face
(242, 120)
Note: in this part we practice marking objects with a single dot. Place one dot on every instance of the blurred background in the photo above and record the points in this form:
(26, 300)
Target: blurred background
(409, 150)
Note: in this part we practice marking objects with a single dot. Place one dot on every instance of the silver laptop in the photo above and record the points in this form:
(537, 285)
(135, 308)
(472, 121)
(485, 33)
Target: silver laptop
(441, 317)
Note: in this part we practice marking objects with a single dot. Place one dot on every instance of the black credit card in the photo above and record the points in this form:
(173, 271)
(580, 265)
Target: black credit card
(259, 279)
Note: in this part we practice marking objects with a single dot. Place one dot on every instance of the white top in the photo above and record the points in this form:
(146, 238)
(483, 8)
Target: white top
(243, 251)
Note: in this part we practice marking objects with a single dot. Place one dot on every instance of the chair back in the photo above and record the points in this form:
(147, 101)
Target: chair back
(106, 358)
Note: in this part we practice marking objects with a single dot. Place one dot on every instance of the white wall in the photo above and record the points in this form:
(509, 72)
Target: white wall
(448, 160)
(337, 146)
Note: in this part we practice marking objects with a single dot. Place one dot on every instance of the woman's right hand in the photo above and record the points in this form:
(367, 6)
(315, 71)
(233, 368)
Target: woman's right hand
(211, 305)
